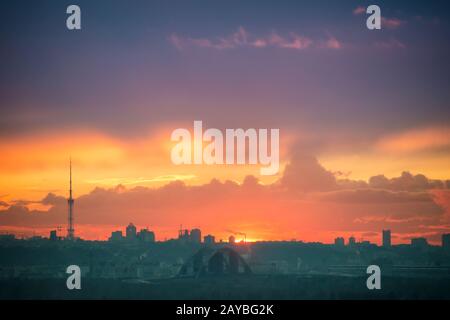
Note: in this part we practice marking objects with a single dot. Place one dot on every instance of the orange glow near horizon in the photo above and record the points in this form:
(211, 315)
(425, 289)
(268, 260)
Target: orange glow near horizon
(32, 167)
(103, 233)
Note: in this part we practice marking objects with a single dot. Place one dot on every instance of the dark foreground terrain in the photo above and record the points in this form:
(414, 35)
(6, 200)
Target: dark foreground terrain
(231, 287)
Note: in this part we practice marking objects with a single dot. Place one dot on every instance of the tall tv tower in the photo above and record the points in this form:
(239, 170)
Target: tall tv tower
(70, 229)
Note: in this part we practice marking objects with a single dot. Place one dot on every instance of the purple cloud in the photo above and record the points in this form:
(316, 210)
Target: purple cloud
(242, 38)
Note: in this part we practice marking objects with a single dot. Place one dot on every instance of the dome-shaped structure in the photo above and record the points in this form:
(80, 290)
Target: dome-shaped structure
(208, 261)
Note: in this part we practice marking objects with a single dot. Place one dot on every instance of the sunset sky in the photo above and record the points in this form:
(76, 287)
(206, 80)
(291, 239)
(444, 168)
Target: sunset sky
(364, 117)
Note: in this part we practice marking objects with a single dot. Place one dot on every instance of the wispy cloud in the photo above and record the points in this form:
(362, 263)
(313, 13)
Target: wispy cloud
(390, 44)
(388, 219)
(4, 204)
(141, 180)
(332, 43)
(390, 23)
(416, 140)
(242, 38)
(359, 10)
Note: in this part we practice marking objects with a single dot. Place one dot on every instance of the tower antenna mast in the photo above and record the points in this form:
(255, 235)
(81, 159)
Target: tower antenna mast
(70, 201)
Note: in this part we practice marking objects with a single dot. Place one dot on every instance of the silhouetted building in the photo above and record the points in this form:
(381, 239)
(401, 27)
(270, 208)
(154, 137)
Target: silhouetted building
(196, 236)
(7, 237)
(366, 244)
(53, 235)
(351, 241)
(419, 242)
(183, 235)
(387, 238)
(209, 240)
(446, 241)
(339, 241)
(116, 236)
(146, 235)
(131, 231)
(232, 239)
